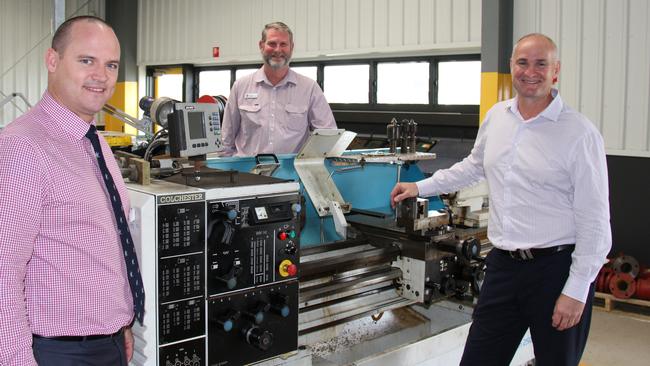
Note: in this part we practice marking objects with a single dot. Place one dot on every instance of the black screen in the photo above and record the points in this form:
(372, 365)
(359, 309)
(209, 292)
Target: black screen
(195, 124)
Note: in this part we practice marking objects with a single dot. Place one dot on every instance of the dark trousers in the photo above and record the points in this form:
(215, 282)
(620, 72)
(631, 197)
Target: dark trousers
(100, 352)
(517, 295)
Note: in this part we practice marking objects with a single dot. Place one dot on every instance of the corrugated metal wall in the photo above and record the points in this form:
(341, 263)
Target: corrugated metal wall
(604, 44)
(605, 54)
(171, 31)
(25, 35)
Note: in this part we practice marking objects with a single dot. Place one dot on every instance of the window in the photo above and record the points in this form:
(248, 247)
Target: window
(459, 82)
(243, 72)
(418, 84)
(308, 71)
(169, 85)
(403, 82)
(214, 82)
(440, 92)
(346, 83)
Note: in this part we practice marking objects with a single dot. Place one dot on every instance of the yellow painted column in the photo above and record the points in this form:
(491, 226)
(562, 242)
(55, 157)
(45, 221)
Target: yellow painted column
(125, 98)
(495, 87)
(496, 46)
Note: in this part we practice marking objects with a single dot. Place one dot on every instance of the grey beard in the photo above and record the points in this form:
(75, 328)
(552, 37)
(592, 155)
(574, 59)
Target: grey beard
(275, 65)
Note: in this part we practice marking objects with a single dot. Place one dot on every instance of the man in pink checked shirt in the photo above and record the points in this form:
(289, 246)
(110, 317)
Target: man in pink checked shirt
(65, 294)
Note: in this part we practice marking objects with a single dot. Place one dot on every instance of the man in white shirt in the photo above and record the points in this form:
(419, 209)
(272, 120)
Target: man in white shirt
(549, 217)
(274, 109)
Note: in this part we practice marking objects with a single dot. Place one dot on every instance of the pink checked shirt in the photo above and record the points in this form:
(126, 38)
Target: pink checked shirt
(62, 270)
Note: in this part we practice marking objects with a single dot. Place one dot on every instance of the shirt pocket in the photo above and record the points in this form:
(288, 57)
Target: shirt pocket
(250, 119)
(250, 113)
(296, 118)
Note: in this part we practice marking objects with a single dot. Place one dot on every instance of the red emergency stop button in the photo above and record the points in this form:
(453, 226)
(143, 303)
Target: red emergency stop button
(287, 268)
(282, 235)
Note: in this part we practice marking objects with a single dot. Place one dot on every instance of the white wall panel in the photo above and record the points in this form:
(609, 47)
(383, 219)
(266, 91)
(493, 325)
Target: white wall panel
(411, 22)
(460, 26)
(326, 25)
(381, 23)
(395, 23)
(366, 24)
(615, 75)
(443, 19)
(186, 31)
(427, 25)
(605, 54)
(474, 20)
(24, 37)
(25, 34)
(300, 27)
(569, 46)
(592, 72)
(636, 107)
(338, 11)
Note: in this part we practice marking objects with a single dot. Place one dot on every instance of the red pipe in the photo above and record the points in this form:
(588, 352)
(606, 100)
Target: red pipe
(622, 285)
(643, 288)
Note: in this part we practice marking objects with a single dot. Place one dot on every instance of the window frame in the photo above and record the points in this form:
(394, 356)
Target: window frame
(456, 121)
(432, 106)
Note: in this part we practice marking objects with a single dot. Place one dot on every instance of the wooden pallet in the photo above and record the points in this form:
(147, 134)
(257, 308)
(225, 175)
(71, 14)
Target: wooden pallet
(610, 302)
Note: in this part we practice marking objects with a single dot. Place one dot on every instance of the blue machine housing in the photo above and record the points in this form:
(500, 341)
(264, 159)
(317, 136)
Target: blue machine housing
(366, 188)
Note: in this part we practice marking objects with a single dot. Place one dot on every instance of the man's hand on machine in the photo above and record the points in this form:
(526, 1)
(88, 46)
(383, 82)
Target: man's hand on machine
(403, 191)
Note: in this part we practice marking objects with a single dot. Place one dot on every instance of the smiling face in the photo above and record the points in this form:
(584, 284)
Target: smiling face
(82, 74)
(534, 67)
(276, 49)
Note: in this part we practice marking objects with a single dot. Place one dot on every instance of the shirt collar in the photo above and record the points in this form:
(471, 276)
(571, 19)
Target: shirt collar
(551, 112)
(64, 119)
(260, 77)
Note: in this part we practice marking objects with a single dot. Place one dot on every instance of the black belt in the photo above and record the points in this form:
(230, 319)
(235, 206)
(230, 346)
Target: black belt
(93, 337)
(528, 254)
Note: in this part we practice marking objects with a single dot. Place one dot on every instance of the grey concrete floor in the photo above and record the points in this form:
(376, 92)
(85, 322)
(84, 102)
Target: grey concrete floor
(617, 338)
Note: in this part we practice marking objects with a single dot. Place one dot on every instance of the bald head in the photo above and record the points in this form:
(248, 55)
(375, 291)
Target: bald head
(535, 68)
(539, 38)
(83, 65)
(61, 38)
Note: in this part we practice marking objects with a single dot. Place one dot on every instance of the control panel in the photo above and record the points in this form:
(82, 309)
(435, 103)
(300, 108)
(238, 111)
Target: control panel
(190, 353)
(252, 242)
(194, 129)
(251, 325)
(220, 271)
(181, 282)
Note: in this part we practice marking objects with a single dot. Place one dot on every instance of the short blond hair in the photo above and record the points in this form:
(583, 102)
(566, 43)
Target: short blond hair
(279, 26)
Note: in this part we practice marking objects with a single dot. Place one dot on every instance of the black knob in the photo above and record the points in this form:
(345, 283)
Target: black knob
(280, 304)
(227, 321)
(471, 248)
(290, 248)
(256, 313)
(262, 339)
(230, 278)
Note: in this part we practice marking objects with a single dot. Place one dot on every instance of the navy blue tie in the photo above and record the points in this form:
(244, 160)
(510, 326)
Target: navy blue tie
(132, 268)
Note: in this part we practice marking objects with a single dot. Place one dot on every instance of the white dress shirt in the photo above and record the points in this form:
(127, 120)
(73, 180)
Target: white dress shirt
(548, 185)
